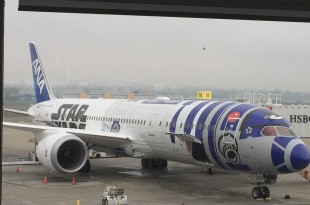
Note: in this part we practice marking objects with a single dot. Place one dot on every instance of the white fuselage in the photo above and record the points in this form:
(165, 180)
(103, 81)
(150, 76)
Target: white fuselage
(229, 137)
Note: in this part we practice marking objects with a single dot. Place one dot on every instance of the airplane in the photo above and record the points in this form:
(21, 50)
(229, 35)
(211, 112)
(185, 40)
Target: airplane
(223, 134)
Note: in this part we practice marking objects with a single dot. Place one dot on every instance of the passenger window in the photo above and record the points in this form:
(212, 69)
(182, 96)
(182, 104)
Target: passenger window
(269, 131)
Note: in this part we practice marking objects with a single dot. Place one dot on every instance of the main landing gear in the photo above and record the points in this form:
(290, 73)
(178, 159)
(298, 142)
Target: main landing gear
(154, 163)
(86, 167)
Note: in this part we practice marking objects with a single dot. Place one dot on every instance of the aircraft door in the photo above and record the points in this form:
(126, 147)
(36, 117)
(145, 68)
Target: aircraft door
(154, 134)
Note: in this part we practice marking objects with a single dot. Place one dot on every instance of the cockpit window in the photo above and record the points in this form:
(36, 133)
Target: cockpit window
(277, 131)
(284, 131)
(269, 131)
(294, 131)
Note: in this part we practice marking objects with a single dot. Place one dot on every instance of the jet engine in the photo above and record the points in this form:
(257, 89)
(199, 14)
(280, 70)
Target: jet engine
(62, 152)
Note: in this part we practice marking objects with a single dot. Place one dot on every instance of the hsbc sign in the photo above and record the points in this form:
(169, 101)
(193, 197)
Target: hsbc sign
(299, 119)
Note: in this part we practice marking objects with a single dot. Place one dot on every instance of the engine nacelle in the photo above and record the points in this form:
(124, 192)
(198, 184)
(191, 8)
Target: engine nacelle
(61, 152)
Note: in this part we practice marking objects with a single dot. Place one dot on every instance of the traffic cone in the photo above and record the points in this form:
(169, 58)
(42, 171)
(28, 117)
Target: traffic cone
(45, 180)
(73, 181)
(17, 169)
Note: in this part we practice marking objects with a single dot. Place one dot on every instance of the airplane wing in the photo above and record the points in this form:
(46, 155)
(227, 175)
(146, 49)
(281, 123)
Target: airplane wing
(17, 111)
(86, 135)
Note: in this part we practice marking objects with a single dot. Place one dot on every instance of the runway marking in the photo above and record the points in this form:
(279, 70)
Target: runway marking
(134, 173)
(17, 184)
(125, 167)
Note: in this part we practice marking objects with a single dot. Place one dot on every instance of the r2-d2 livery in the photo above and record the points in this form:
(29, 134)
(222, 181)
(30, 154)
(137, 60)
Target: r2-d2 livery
(227, 135)
(236, 136)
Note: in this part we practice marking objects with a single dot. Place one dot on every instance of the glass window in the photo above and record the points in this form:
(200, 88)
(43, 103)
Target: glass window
(284, 131)
(181, 125)
(293, 131)
(269, 131)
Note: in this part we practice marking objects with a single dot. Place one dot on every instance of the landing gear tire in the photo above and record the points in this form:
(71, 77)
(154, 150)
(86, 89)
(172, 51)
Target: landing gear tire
(266, 192)
(163, 164)
(256, 192)
(144, 163)
(152, 163)
(86, 167)
(260, 192)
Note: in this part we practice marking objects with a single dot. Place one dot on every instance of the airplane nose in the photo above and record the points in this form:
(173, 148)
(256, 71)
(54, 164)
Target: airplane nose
(300, 157)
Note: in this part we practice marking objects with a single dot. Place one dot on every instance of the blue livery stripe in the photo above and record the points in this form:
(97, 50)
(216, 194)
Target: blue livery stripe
(283, 141)
(241, 167)
(284, 169)
(191, 116)
(242, 108)
(211, 135)
(203, 117)
(277, 155)
(175, 118)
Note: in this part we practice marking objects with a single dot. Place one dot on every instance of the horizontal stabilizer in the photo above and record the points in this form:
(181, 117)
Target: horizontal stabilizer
(185, 137)
(17, 111)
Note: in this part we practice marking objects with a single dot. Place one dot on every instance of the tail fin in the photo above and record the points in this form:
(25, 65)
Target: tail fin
(42, 89)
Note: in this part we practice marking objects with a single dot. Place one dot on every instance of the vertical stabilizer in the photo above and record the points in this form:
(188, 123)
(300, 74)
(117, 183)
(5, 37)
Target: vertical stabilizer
(42, 89)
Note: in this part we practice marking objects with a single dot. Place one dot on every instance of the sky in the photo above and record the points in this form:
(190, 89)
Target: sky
(89, 48)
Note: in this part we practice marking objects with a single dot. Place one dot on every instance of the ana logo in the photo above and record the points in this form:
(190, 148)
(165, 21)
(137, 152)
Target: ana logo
(115, 127)
(39, 74)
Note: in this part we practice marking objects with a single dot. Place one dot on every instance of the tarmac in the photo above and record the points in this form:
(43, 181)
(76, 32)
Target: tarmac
(180, 184)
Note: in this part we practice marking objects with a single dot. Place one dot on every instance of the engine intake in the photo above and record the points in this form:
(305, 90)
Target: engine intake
(62, 152)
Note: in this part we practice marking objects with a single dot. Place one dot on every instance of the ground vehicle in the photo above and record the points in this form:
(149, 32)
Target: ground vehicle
(112, 195)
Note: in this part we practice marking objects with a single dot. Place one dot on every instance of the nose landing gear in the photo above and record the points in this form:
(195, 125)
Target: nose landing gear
(260, 192)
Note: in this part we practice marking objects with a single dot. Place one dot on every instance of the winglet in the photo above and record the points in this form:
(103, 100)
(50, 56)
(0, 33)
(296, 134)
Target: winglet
(42, 89)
